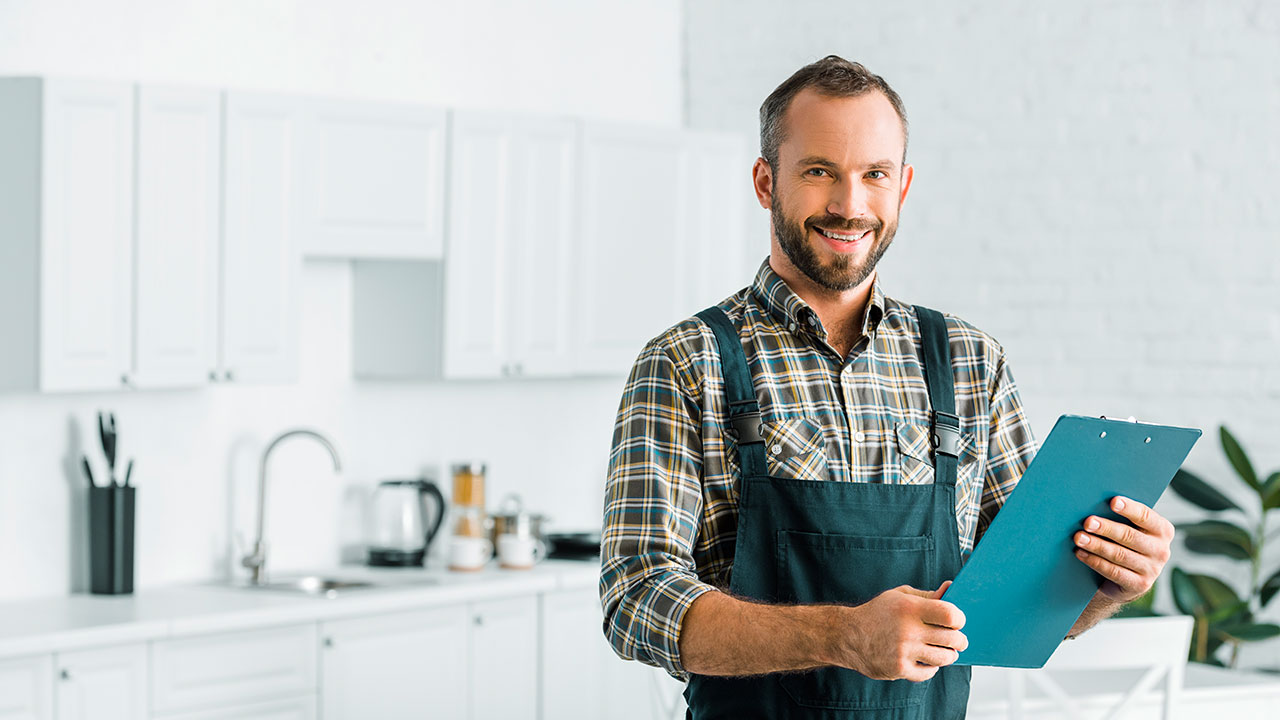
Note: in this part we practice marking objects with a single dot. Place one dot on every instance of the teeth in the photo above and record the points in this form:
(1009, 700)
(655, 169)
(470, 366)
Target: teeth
(837, 236)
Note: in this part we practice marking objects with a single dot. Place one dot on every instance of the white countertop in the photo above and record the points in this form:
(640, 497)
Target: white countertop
(42, 625)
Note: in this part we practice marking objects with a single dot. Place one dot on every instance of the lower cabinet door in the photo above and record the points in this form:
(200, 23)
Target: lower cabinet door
(504, 661)
(103, 684)
(403, 665)
(26, 688)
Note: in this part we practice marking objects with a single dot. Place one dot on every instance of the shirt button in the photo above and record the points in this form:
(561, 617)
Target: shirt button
(777, 449)
(792, 327)
(860, 436)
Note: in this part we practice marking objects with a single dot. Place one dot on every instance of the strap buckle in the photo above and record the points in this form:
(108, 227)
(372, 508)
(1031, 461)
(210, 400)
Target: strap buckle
(747, 426)
(945, 434)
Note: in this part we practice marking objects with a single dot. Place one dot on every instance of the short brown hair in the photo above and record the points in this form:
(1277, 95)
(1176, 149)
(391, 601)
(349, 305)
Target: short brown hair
(832, 76)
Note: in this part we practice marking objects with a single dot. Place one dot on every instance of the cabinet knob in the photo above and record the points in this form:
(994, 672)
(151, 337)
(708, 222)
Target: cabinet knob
(213, 376)
(519, 368)
(478, 620)
(228, 376)
(124, 379)
(506, 370)
(328, 642)
(65, 674)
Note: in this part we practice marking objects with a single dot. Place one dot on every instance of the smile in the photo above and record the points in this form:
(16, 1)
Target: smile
(842, 238)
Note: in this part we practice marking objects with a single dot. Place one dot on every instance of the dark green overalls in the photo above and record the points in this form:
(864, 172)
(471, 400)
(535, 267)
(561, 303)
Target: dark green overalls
(818, 541)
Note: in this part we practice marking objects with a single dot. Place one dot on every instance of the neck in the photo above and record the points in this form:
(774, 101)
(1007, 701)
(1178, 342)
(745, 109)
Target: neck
(840, 311)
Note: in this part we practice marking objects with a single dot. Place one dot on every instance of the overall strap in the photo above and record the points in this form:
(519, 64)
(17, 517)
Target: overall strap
(935, 354)
(744, 410)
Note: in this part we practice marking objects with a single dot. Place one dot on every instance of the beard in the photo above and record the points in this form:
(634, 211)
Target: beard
(844, 272)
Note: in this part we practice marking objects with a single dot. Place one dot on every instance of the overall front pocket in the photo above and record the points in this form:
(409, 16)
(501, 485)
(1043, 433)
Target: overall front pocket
(850, 570)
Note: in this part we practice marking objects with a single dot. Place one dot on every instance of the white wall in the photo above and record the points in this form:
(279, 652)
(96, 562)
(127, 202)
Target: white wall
(197, 452)
(1095, 185)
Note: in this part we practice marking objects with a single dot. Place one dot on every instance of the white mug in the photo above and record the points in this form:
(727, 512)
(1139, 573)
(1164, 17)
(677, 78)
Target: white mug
(469, 553)
(520, 551)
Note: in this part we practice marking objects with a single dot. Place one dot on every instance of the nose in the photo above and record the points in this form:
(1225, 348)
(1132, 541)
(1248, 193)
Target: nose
(848, 199)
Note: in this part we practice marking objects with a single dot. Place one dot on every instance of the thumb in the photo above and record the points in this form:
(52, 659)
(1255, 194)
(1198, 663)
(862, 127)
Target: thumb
(916, 591)
(942, 590)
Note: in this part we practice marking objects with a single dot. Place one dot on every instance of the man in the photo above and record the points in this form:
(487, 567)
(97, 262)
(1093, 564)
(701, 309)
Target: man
(798, 472)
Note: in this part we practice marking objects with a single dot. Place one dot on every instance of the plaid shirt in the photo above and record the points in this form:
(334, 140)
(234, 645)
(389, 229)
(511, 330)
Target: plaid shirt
(671, 503)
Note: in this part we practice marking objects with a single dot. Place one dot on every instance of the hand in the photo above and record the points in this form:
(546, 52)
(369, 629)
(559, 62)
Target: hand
(902, 633)
(1129, 557)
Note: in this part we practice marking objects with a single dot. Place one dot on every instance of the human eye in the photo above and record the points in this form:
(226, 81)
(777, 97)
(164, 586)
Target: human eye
(882, 174)
(814, 171)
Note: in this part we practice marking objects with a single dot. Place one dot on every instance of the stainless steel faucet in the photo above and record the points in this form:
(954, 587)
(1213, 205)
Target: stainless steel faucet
(257, 560)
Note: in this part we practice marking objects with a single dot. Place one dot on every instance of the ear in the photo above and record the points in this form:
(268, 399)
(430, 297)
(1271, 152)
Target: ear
(908, 172)
(762, 179)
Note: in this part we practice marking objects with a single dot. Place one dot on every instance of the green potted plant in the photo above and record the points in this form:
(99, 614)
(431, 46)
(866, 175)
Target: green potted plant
(1223, 616)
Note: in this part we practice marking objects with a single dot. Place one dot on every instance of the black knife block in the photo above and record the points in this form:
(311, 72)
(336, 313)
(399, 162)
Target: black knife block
(111, 540)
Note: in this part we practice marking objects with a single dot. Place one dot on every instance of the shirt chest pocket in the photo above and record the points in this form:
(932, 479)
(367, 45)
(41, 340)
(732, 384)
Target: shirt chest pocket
(795, 448)
(915, 456)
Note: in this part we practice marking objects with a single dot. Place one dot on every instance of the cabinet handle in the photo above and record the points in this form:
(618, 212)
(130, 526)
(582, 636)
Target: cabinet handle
(228, 376)
(519, 368)
(213, 376)
(124, 379)
(328, 642)
(479, 620)
(506, 370)
(65, 674)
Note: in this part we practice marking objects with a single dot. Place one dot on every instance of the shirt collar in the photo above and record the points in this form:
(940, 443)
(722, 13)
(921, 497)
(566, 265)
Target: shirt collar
(793, 313)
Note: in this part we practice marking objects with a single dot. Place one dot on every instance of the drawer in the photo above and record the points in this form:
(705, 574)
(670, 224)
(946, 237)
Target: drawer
(227, 668)
(26, 687)
(299, 708)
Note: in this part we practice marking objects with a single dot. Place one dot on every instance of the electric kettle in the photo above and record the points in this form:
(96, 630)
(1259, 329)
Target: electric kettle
(403, 522)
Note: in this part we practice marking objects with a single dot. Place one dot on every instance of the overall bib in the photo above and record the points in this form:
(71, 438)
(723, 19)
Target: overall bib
(819, 541)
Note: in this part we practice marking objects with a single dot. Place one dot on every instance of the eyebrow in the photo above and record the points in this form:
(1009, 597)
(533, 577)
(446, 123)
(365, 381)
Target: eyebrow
(823, 162)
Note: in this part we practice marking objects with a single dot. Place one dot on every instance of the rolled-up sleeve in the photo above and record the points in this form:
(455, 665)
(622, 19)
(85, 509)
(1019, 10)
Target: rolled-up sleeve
(652, 506)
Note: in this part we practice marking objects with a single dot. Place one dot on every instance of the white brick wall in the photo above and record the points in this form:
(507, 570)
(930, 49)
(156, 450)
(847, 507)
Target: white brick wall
(1097, 184)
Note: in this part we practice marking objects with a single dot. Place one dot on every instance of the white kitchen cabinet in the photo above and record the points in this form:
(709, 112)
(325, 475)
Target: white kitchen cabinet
(102, 684)
(371, 177)
(504, 659)
(499, 304)
(299, 708)
(581, 675)
(718, 172)
(259, 261)
(630, 274)
(26, 688)
(179, 136)
(214, 671)
(66, 233)
(402, 665)
(509, 237)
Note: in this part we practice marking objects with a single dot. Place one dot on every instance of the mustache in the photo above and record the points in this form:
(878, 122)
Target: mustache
(844, 226)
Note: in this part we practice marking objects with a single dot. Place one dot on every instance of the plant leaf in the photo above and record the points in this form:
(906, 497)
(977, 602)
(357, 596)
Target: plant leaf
(1230, 614)
(1214, 593)
(1196, 491)
(1269, 588)
(1238, 459)
(1185, 595)
(1251, 632)
(1217, 537)
(1271, 492)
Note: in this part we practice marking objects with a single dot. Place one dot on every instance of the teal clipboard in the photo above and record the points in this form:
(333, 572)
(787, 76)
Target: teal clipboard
(1023, 588)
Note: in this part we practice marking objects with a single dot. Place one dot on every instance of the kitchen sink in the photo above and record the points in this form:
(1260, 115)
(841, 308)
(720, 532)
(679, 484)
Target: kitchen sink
(331, 586)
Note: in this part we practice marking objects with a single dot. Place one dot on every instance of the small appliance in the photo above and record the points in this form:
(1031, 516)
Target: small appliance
(404, 522)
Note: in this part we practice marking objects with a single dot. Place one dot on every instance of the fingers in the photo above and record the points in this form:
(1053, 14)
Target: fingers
(936, 656)
(1132, 583)
(942, 590)
(942, 614)
(950, 639)
(1142, 516)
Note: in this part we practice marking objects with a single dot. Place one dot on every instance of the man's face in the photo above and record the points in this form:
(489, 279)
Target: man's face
(836, 193)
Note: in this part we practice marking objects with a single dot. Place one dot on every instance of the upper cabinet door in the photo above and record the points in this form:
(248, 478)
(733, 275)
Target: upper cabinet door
(87, 240)
(372, 180)
(260, 265)
(543, 231)
(480, 245)
(176, 249)
(719, 183)
(630, 274)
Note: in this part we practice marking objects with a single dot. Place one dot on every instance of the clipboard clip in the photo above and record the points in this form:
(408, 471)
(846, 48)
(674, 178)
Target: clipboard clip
(945, 434)
(1128, 419)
